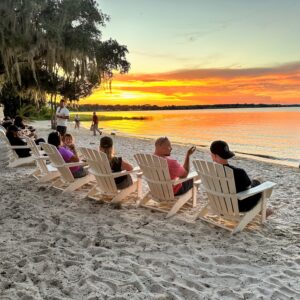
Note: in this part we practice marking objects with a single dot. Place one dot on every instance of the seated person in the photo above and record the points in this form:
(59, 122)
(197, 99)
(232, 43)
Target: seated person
(14, 136)
(7, 121)
(220, 154)
(69, 142)
(28, 131)
(117, 164)
(163, 149)
(54, 138)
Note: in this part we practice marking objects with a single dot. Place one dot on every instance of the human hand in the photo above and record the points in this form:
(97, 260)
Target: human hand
(191, 151)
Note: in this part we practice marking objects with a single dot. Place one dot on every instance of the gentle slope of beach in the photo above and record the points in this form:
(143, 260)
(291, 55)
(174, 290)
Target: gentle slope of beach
(55, 246)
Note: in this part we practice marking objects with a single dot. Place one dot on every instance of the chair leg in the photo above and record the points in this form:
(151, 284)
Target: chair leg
(247, 218)
(178, 204)
(124, 193)
(202, 212)
(77, 184)
(144, 200)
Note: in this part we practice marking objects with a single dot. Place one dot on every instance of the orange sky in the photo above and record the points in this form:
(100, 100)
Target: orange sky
(280, 84)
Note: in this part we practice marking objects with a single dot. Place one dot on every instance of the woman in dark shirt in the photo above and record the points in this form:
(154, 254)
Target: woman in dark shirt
(117, 164)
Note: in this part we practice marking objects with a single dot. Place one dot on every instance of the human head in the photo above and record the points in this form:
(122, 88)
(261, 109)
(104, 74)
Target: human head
(220, 152)
(94, 113)
(62, 103)
(68, 139)
(106, 146)
(13, 130)
(18, 121)
(54, 138)
(163, 146)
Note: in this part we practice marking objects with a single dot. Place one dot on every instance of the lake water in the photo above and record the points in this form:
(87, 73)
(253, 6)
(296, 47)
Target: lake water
(266, 133)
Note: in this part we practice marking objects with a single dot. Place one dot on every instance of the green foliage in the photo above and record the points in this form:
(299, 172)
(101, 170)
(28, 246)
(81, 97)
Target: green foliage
(55, 47)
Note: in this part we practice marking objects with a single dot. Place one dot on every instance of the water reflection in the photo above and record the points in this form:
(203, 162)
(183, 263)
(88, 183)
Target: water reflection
(274, 132)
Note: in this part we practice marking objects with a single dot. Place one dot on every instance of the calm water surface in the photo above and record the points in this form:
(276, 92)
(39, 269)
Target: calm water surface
(271, 132)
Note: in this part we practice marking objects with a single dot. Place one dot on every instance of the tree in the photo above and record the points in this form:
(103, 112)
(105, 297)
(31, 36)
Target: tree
(54, 48)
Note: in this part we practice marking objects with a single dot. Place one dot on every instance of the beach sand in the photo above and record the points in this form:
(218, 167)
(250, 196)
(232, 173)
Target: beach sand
(55, 246)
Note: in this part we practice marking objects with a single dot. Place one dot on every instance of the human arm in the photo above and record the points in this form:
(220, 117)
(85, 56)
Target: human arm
(186, 164)
(125, 165)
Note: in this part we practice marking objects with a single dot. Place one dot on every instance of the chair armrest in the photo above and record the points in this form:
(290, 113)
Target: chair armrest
(40, 157)
(72, 164)
(191, 175)
(255, 190)
(76, 164)
(122, 173)
(20, 147)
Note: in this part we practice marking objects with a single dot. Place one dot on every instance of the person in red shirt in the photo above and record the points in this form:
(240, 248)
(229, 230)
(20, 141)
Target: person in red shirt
(163, 149)
(95, 124)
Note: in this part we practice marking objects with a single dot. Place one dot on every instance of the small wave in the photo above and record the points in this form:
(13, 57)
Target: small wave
(268, 156)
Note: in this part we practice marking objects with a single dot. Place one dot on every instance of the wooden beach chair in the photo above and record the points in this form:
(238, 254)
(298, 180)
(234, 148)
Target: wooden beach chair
(11, 156)
(105, 186)
(66, 181)
(222, 208)
(161, 196)
(44, 172)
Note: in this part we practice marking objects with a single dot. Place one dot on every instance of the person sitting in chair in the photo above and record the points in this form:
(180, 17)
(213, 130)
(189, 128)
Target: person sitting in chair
(220, 154)
(117, 164)
(54, 139)
(14, 136)
(163, 149)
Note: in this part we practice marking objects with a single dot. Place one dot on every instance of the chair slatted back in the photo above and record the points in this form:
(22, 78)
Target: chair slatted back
(58, 162)
(99, 166)
(156, 172)
(41, 163)
(12, 155)
(219, 184)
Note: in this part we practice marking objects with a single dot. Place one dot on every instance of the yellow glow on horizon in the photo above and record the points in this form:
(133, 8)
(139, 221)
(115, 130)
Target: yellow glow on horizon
(182, 89)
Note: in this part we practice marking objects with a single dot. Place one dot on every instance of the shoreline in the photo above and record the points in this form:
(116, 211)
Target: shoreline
(66, 246)
(293, 163)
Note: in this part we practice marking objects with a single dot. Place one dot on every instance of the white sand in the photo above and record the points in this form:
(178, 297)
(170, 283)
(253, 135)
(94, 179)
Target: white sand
(55, 246)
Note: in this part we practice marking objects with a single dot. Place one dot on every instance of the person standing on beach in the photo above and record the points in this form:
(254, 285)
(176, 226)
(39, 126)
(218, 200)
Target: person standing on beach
(62, 117)
(220, 154)
(77, 122)
(95, 124)
(163, 149)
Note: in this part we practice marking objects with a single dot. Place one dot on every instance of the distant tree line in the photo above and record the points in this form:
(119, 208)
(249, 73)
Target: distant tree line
(96, 107)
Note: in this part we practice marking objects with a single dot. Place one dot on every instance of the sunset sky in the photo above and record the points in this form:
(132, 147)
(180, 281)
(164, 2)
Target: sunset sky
(204, 51)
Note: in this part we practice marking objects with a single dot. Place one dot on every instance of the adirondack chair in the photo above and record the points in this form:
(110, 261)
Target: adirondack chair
(12, 157)
(100, 168)
(219, 184)
(44, 172)
(66, 181)
(156, 172)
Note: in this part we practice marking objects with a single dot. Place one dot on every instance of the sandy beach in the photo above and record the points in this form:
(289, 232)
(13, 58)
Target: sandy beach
(55, 246)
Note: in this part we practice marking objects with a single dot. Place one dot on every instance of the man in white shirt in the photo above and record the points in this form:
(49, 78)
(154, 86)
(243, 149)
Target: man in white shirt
(62, 117)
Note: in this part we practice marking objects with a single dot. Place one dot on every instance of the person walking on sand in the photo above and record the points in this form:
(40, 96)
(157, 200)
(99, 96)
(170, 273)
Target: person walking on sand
(163, 149)
(95, 124)
(220, 154)
(77, 122)
(62, 117)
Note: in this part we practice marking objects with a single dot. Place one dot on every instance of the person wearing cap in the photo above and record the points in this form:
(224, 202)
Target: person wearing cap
(220, 154)
(163, 149)
(13, 134)
(62, 117)
(54, 138)
(117, 163)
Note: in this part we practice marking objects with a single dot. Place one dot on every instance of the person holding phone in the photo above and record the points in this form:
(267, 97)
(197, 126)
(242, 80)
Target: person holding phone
(163, 148)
